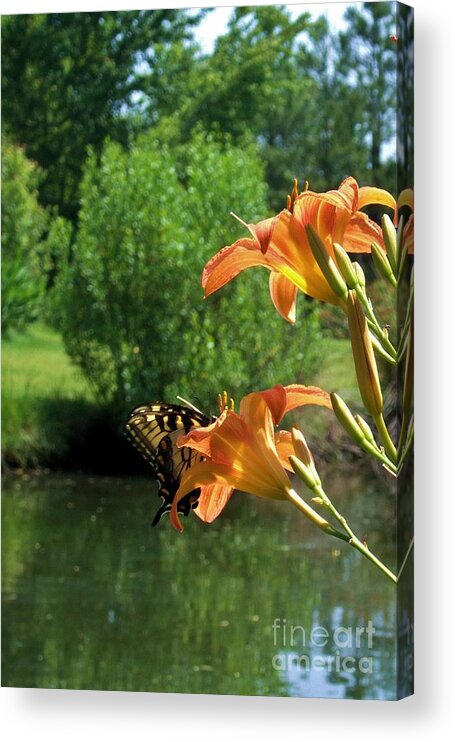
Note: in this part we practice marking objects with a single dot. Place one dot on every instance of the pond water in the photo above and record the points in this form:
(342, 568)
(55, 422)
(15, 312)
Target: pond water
(259, 603)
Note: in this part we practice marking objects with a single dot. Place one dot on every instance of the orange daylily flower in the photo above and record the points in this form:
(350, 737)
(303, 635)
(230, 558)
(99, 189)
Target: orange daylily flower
(242, 450)
(281, 244)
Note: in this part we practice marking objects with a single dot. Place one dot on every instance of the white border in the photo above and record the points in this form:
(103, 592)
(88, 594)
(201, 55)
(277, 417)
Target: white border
(51, 714)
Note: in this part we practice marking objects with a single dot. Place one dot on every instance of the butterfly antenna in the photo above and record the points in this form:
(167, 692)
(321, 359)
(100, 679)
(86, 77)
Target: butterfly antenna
(189, 404)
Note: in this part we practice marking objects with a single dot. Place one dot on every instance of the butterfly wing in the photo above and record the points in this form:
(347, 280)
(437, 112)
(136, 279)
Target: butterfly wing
(153, 429)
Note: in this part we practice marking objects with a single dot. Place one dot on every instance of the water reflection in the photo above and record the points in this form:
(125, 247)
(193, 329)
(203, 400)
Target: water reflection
(95, 598)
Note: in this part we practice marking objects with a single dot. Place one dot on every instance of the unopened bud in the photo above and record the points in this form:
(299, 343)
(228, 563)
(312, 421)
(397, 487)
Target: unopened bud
(364, 358)
(326, 263)
(390, 240)
(303, 472)
(303, 453)
(382, 264)
(345, 265)
(360, 275)
(301, 449)
(347, 419)
(365, 428)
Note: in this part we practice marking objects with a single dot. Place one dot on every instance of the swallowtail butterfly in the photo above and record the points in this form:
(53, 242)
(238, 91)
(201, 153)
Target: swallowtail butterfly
(153, 429)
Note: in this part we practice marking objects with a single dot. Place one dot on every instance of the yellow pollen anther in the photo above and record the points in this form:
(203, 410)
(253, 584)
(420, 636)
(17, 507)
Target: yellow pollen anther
(225, 403)
(292, 196)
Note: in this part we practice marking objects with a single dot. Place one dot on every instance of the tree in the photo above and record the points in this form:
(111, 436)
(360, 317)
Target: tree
(368, 61)
(69, 80)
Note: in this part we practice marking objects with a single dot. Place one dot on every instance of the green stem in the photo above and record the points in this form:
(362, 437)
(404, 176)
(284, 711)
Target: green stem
(352, 538)
(385, 437)
(349, 537)
(378, 454)
(374, 324)
(321, 523)
(379, 348)
(369, 555)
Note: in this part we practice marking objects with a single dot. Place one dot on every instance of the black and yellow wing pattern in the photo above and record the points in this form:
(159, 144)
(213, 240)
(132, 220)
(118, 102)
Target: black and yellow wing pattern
(153, 429)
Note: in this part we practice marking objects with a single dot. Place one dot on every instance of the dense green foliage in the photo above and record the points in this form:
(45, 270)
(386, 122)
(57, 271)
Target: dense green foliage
(130, 300)
(29, 239)
(319, 103)
(68, 80)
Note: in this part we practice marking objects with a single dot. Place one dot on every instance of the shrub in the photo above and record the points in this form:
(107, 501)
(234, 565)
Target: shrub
(130, 301)
(31, 241)
(24, 222)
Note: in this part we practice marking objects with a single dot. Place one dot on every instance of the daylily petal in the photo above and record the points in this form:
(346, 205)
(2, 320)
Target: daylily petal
(229, 262)
(212, 500)
(345, 197)
(263, 231)
(200, 438)
(257, 415)
(285, 448)
(298, 395)
(284, 295)
(370, 195)
(289, 253)
(276, 401)
(206, 473)
(349, 192)
(360, 233)
(406, 198)
(255, 475)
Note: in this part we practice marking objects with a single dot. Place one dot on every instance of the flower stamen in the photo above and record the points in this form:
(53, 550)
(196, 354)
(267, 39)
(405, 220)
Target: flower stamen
(223, 403)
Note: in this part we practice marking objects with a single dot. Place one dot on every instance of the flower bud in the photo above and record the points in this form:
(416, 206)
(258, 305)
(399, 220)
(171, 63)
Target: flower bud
(382, 264)
(301, 449)
(390, 240)
(326, 263)
(345, 265)
(303, 453)
(366, 430)
(304, 472)
(360, 275)
(364, 358)
(347, 419)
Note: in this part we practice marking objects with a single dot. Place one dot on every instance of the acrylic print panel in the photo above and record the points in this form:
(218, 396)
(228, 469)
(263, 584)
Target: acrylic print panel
(199, 201)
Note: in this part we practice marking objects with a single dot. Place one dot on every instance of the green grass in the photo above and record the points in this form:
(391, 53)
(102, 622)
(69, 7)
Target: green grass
(35, 364)
(337, 374)
(35, 370)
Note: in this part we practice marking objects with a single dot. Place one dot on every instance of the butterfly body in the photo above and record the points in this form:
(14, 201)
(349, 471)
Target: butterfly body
(154, 429)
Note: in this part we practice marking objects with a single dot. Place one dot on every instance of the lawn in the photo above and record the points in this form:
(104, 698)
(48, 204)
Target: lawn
(35, 370)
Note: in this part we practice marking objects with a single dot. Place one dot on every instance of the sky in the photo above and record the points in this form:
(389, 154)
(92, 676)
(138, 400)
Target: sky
(215, 22)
